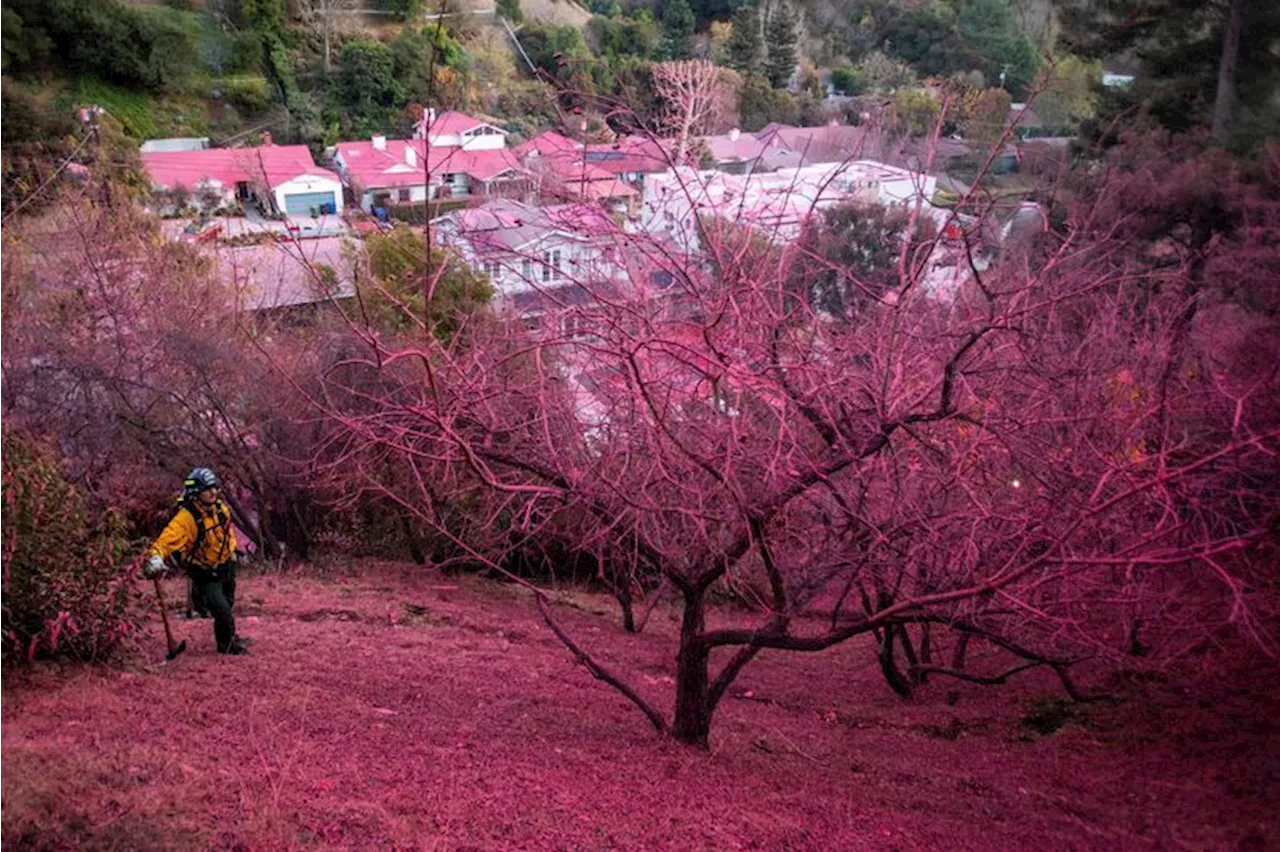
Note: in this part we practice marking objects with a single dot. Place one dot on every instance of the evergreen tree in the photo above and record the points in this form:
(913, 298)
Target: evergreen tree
(781, 36)
(677, 30)
(1201, 64)
(745, 49)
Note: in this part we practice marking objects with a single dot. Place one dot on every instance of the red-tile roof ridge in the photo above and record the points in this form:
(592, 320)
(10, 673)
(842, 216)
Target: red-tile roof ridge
(273, 164)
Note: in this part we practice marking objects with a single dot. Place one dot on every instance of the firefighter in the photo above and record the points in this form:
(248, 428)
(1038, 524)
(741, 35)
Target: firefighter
(200, 538)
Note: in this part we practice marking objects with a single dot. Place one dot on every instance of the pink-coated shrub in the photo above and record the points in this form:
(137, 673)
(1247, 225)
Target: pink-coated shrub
(68, 589)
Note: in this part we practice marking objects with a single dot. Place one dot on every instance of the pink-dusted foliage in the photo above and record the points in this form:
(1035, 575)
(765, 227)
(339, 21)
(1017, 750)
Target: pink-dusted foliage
(1061, 458)
(129, 350)
(68, 585)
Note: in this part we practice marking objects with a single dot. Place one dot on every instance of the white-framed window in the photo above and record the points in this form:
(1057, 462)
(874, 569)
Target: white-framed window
(403, 195)
(493, 269)
(573, 324)
(526, 269)
(551, 265)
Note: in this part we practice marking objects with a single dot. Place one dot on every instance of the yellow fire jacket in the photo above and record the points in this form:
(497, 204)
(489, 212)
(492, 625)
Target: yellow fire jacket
(217, 546)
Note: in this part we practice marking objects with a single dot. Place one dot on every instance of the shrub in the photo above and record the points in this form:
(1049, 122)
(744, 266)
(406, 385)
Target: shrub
(420, 214)
(67, 591)
(848, 80)
(249, 91)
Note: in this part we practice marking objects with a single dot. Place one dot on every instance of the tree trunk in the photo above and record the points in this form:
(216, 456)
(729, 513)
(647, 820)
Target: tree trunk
(416, 552)
(328, 49)
(683, 145)
(693, 706)
(889, 666)
(1225, 99)
(957, 656)
(622, 591)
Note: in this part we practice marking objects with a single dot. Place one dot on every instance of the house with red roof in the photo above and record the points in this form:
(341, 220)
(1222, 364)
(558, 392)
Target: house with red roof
(547, 144)
(453, 129)
(564, 174)
(451, 155)
(631, 159)
(610, 173)
(281, 178)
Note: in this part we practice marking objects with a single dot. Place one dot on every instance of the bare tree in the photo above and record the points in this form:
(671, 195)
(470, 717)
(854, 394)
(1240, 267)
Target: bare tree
(1027, 460)
(694, 95)
(329, 19)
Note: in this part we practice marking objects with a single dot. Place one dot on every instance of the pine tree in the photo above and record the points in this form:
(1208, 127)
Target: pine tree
(677, 30)
(745, 50)
(781, 36)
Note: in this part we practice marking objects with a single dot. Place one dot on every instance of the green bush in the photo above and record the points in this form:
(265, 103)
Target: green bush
(135, 110)
(848, 80)
(68, 591)
(510, 9)
(250, 91)
(145, 47)
(420, 214)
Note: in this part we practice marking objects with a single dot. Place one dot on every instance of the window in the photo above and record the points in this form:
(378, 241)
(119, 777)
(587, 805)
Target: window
(551, 265)
(526, 269)
(403, 195)
(493, 269)
(573, 324)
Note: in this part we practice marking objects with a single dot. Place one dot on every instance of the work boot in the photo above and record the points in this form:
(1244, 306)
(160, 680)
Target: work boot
(236, 648)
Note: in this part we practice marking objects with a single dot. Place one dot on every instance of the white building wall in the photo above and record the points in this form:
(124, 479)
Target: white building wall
(417, 194)
(485, 142)
(308, 183)
(219, 195)
(527, 269)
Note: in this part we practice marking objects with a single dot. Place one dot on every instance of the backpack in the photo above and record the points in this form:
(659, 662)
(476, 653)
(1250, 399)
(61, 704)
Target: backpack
(186, 561)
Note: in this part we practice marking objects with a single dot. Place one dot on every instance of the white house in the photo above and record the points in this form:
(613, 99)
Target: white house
(775, 204)
(538, 257)
(453, 129)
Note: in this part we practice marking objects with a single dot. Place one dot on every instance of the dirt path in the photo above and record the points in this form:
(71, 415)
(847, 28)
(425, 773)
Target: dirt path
(387, 712)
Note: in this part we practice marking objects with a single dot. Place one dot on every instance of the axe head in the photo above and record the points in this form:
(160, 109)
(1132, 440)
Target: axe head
(182, 646)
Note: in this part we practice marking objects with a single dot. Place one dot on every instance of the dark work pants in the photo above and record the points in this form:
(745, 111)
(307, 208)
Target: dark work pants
(195, 603)
(217, 588)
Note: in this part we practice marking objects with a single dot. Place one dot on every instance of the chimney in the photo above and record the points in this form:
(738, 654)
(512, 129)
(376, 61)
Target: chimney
(410, 154)
(266, 139)
(379, 142)
(734, 134)
(422, 129)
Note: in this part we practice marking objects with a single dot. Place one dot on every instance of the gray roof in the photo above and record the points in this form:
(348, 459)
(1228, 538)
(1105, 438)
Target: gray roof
(176, 143)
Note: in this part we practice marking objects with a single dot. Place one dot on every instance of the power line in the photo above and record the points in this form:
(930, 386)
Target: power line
(49, 180)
